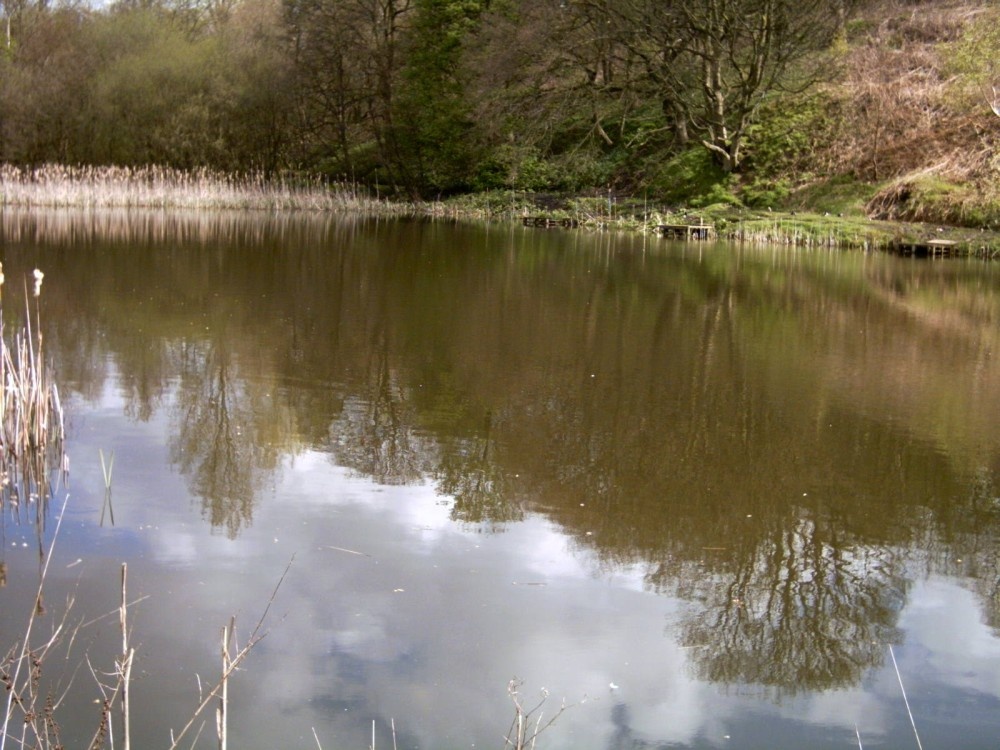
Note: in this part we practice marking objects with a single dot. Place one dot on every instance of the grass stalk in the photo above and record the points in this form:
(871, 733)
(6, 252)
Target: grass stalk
(57, 186)
(906, 701)
(31, 421)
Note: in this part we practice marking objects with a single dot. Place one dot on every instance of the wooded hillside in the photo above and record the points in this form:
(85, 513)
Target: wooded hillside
(761, 101)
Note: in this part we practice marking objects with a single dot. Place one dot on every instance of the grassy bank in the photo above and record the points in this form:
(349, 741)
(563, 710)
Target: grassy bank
(847, 226)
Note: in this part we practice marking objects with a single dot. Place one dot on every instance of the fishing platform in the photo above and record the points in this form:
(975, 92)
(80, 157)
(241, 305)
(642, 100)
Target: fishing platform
(926, 248)
(685, 231)
(548, 221)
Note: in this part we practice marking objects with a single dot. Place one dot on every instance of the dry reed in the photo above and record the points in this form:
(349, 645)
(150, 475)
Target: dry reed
(56, 186)
(32, 430)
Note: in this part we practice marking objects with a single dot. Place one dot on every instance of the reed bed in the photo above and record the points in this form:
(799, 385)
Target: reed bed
(57, 186)
(32, 428)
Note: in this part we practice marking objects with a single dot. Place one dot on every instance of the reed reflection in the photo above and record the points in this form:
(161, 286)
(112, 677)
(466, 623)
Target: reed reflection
(761, 432)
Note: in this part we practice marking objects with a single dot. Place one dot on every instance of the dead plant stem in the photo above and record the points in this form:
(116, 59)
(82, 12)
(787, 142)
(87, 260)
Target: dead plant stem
(125, 666)
(25, 649)
(255, 637)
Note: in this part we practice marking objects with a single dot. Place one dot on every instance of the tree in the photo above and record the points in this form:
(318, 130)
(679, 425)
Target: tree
(434, 127)
(255, 92)
(44, 67)
(712, 62)
(347, 58)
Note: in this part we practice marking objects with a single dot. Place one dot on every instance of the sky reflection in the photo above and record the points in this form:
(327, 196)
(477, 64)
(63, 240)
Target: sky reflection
(427, 624)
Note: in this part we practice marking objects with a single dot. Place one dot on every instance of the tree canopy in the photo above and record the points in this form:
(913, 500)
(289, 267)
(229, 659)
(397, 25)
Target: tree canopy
(421, 97)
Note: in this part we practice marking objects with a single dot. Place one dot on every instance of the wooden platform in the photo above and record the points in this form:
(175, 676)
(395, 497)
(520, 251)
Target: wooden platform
(685, 231)
(925, 248)
(548, 221)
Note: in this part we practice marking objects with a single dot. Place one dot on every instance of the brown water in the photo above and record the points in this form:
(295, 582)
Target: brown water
(694, 490)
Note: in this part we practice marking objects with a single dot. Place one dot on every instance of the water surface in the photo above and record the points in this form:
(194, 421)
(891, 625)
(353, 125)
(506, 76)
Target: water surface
(694, 491)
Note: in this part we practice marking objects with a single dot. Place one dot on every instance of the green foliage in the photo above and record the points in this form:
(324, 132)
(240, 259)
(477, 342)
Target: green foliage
(151, 101)
(973, 63)
(931, 198)
(693, 178)
(525, 168)
(785, 134)
(836, 195)
(766, 193)
(781, 146)
(437, 97)
(433, 140)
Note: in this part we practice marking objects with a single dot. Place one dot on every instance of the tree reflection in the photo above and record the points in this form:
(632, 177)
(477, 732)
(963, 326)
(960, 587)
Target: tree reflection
(667, 410)
(375, 434)
(215, 441)
(477, 482)
(801, 611)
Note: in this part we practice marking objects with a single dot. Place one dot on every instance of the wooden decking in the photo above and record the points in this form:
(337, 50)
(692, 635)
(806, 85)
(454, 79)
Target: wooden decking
(548, 221)
(685, 231)
(925, 248)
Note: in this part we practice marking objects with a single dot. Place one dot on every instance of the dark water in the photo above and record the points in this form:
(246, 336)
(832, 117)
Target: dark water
(694, 491)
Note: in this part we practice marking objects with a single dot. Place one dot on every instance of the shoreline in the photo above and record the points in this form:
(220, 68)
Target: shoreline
(159, 189)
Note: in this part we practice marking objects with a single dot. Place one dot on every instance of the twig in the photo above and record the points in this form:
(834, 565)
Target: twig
(132, 603)
(518, 736)
(349, 551)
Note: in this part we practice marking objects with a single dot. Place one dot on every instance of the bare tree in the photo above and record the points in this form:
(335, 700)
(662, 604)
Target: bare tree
(348, 59)
(711, 62)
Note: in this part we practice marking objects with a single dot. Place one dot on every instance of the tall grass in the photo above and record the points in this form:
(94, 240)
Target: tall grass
(57, 186)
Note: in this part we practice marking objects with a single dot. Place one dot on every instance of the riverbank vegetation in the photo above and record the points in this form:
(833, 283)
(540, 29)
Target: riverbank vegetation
(879, 109)
(32, 430)
(55, 186)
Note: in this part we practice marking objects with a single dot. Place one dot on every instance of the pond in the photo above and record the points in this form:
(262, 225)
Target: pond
(701, 495)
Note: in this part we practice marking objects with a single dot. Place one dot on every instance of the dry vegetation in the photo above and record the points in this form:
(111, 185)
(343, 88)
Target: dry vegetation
(907, 121)
(31, 419)
(55, 186)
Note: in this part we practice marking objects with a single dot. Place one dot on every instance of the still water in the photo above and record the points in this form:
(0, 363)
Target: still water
(694, 492)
